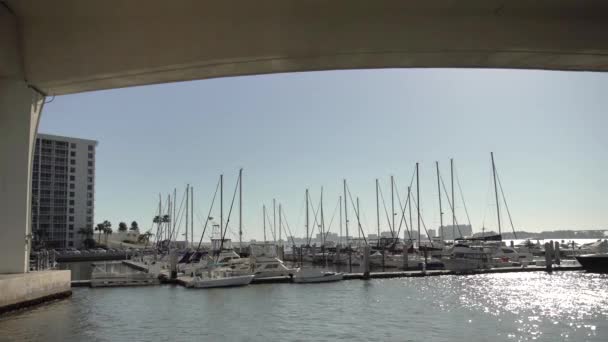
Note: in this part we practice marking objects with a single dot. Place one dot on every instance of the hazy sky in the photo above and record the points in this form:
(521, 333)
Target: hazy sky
(548, 131)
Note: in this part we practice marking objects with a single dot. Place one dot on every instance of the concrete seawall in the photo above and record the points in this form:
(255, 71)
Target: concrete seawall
(27, 289)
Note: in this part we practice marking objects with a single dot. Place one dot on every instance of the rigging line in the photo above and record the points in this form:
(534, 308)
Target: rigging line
(464, 204)
(315, 218)
(208, 215)
(423, 224)
(485, 211)
(506, 206)
(302, 205)
(332, 219)
(451, 206)
(270, 223)
(288, 228)
(388, 220)
(356, 213)
(236, 187)
(404, 209)
(179, 223)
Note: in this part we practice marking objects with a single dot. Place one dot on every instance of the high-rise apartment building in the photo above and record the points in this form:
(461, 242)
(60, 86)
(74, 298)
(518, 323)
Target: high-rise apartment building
(63, 189)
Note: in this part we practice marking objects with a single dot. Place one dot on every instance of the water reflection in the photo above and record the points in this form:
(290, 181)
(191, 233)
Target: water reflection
(501, 307)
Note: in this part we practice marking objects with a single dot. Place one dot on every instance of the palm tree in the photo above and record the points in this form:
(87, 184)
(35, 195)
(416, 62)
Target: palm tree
(107, 231)
(134, 226)
(99, 228)
(122, 227)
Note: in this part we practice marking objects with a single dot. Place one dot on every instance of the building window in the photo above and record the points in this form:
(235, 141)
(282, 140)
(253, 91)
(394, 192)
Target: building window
(71, 210)
(72, 162)
(90, 179)
(89, 187)
(72, 178)
(71, 218)
(71, 193)
(72, 186)
(71, 202)
(89, 211)
(73, 145)
(90, 195)
(90, 203)
(71, 227)
(90, 171)
(73, 154)
(72, 169)
(90, 163)
(89, 219)
(71, 243)
(71, 235)
(90, 147)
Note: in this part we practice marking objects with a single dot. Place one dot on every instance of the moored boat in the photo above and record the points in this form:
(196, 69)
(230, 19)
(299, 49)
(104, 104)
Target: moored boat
(311, 275)
(594, 262)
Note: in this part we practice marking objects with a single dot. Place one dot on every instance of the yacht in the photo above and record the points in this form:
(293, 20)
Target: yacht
(465, 258)
(314, 275)
(594, 262)
(219, 277)
(265, 263)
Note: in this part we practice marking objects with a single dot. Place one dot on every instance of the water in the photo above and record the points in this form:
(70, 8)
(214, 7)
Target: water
(565, 306)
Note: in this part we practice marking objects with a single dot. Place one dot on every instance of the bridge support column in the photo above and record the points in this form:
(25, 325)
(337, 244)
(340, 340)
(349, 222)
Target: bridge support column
(20, 109)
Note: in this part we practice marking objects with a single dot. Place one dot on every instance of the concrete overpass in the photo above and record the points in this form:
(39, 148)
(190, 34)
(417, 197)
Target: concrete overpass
(69, 46)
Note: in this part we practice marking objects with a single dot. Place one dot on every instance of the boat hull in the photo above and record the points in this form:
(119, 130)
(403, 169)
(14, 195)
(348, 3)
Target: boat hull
(463, 265)
(594, 262)
(221, 282)
(319, 279)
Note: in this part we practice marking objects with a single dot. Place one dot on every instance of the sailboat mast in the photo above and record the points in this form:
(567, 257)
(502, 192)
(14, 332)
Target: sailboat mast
(274, 220)
(264, 217)
(280, 226)
(187, 211)
(440, 207)
(340, 206)
(358, 220)
(173, 216)
(453, 203)
(377, 210)
(307, 218)
(221, 207)
(496, 193)
(345, 212)
(241, 210)
(418, 202)
(191, 216)
(392, 205)
(409, 204)
(322, 220)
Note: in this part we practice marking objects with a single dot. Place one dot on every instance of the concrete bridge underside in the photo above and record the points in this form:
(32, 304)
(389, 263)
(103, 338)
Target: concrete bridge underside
(69, 46)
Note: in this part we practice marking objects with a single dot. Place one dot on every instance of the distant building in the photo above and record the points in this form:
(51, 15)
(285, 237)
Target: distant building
(63, 189)
(451, 232)
(432, 233)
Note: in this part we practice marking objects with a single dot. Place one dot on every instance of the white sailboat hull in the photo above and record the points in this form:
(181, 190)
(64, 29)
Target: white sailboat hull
(316, 276)
(221, 282)
(463, 264)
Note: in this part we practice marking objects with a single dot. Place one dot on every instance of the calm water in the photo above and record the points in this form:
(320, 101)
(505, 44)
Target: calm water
(568, 306)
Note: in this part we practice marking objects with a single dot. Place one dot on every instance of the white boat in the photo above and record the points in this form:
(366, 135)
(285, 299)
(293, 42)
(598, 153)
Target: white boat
(265, 263)
(219, 277)
(465, 258)
(313, 275)
(227, 258)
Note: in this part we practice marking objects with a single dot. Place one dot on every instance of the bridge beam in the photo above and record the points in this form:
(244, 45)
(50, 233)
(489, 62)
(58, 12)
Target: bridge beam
(20, 108)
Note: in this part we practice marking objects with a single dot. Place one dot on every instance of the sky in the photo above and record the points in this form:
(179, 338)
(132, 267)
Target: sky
(290, 132)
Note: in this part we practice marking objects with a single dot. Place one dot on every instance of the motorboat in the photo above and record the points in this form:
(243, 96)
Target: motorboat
(265, 263)
(219, 277)
(226, 258)
(314, 275)
(466, 258)
(594, 262)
